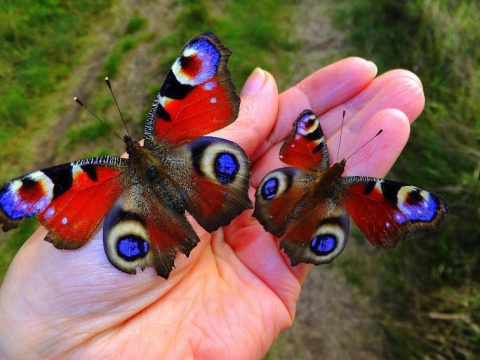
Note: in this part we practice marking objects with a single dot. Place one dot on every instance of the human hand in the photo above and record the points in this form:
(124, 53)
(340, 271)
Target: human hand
(237, 291)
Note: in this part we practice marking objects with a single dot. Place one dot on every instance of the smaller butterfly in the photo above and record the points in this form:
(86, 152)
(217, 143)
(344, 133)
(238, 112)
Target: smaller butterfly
(310, 202)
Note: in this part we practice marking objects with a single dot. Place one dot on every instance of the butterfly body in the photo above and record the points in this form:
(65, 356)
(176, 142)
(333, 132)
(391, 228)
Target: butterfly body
(143, 198)
(309, 204)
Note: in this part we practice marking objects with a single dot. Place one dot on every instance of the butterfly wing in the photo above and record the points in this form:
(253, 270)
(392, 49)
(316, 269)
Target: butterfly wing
(286, 202)
(387, 211)
(278, 196)
(213, 175)
(316, 230)
(64, 198)
(318, 238)
(197, 97)
(306, 147)
(141, 232)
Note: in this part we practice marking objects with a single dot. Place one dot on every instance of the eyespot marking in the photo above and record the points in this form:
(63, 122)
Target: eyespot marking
(417, 204)
(131, 247)
(26, 197)
(197, 64)
(269, 189)
(226, 167)
(323, 244)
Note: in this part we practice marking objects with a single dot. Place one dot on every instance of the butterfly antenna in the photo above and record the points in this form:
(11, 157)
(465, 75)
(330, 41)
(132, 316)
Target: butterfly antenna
(107, 80)
(368, 142)
(79, 102)
(340, 140)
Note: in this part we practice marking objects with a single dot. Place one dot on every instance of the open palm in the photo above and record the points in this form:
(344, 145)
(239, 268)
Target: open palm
(237, 291)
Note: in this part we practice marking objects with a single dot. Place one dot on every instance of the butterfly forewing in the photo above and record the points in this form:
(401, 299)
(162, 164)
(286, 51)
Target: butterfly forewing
(306, 147)
(197, 97)
(63, 198)
(387, 211)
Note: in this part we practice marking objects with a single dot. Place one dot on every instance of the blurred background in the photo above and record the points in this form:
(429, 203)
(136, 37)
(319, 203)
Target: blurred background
(420, 300)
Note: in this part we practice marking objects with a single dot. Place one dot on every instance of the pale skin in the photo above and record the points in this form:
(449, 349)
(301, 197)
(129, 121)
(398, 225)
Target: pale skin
(237, 291)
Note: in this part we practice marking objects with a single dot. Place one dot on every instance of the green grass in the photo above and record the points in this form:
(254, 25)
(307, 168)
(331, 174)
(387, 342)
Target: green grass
(38, 42)
(258, 38)
(438, 41)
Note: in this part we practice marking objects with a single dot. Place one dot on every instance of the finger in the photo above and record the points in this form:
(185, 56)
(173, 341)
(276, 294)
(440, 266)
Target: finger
(325, 89)
(397, 89)
(380, 154)
(258, 111)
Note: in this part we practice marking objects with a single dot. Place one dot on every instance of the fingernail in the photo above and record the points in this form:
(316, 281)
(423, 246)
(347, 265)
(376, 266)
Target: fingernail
(374, 67)
(254, 82)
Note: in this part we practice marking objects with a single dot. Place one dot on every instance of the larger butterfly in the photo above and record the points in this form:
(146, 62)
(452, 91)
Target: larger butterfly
(309, 203)
(143, 199)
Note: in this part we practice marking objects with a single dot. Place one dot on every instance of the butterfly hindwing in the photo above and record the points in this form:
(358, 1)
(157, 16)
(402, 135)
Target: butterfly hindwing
(387, 211)
(278, 198)
(217, 170)
(315, 231)
(197, 97)
(63, 198)
(141, 232)
(318, 238)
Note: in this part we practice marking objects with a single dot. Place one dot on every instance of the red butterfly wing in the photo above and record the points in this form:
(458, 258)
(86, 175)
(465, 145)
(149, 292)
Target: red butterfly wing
(70, 200)
(197, 96)
(278, 196)
(306, 147)
(214, 176)
(387, 211)
(140, 231)
(316, 231)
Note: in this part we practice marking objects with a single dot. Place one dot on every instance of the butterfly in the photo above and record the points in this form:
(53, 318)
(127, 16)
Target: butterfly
(309, 202)
(143, 199)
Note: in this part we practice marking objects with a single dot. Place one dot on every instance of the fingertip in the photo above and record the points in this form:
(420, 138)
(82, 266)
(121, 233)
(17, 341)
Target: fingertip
(254, 82)
(258, 111)
(378, 157)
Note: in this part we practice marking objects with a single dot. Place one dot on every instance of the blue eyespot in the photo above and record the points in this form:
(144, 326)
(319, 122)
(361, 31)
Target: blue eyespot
(269, 189)
(209, 57)
(418, 205)
(226, 167)
(323, 244)
(131, 247)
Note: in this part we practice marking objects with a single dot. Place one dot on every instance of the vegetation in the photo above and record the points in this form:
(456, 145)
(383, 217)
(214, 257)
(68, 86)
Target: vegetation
(431, 287)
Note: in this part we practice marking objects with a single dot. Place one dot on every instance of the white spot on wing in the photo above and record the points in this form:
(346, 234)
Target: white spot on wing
(209, 85)
(49, 212)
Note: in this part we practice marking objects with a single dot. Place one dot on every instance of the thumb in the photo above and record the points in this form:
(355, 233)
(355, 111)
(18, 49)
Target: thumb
(258, 112)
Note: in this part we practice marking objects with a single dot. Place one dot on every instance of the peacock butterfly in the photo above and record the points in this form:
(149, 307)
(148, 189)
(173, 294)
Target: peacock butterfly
(143, 199)
(309, 203)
